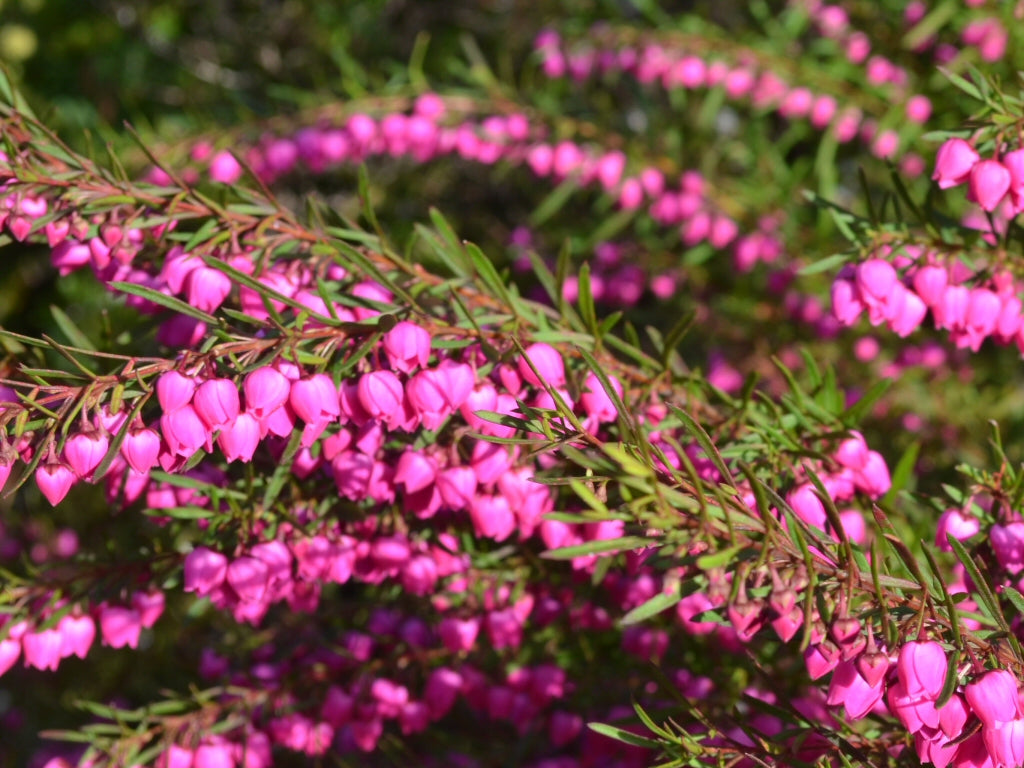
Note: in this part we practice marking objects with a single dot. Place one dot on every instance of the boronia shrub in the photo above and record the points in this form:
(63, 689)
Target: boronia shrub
(643, 394)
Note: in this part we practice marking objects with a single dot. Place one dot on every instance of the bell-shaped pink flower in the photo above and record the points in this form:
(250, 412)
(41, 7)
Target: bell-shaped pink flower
(407, 347)
(140, 448)
(909, 316)
(596, 402)
(876, 280)
(994, 697)
(266, 390)
(175, 757)
(457, 486)
(443, 687)
(415, 471)
(1008, 545)
(315, 401)
(217, 403)
(248, 576)
(988, 184)
(548, 362)
(174, 390)
(930, 283)
(206, 288)
(205, 570)
(183, 431)
(492, 517)
(84, 451)
(427, 397)
(459, 634)
(922, 668)
(150, 606)
(852, 691)
(10, 650)
(954, 162)
(873, 479)
(847, 306)
(1005, 743)
(240, 439)
(214, 754)
(54, 480)
(807, 506)
(459, 381)
(42, 648)
(77, 634)
(955, 523)
(382, 396)
(120, 627)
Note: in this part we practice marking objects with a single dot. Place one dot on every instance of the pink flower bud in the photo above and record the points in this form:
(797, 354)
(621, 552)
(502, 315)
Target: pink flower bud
(807, 506)
(1005, 742)
(876, 280)
(205, 570)
(954, 162)
(206, 288)
(988, 184)
(852, 691)
(315, 400)
(225, 168)
(54, 480)
(457, 486)
(174, 390)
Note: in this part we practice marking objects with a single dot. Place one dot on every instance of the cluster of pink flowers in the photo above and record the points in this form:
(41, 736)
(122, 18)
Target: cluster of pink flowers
(969, 314)
(990, 182)
(73, 634)
(746, 79)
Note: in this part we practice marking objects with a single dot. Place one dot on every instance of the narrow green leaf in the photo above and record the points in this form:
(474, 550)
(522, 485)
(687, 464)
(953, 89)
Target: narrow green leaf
(170, 302)
(69, 329)
(604, 546)
(659, 603)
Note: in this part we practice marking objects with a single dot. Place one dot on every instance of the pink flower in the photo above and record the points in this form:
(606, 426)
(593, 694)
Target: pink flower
(994, 698)
(382, 396)
(84, 451)
(216, 403)
(266, 389)
(54, 480)
(249, 577)
(548, 363)
(140, 448)
(174, 390)
(42, 648)
(954, 162)
(988, 184)
(922, 669)
(120, 626)
(205, 570)
(240, 439)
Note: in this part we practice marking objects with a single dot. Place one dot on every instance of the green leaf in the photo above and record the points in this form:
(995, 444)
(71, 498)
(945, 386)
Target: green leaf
(170, 302)
(659, 603)
(626, 737)
(604, 546)
(68, 327)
